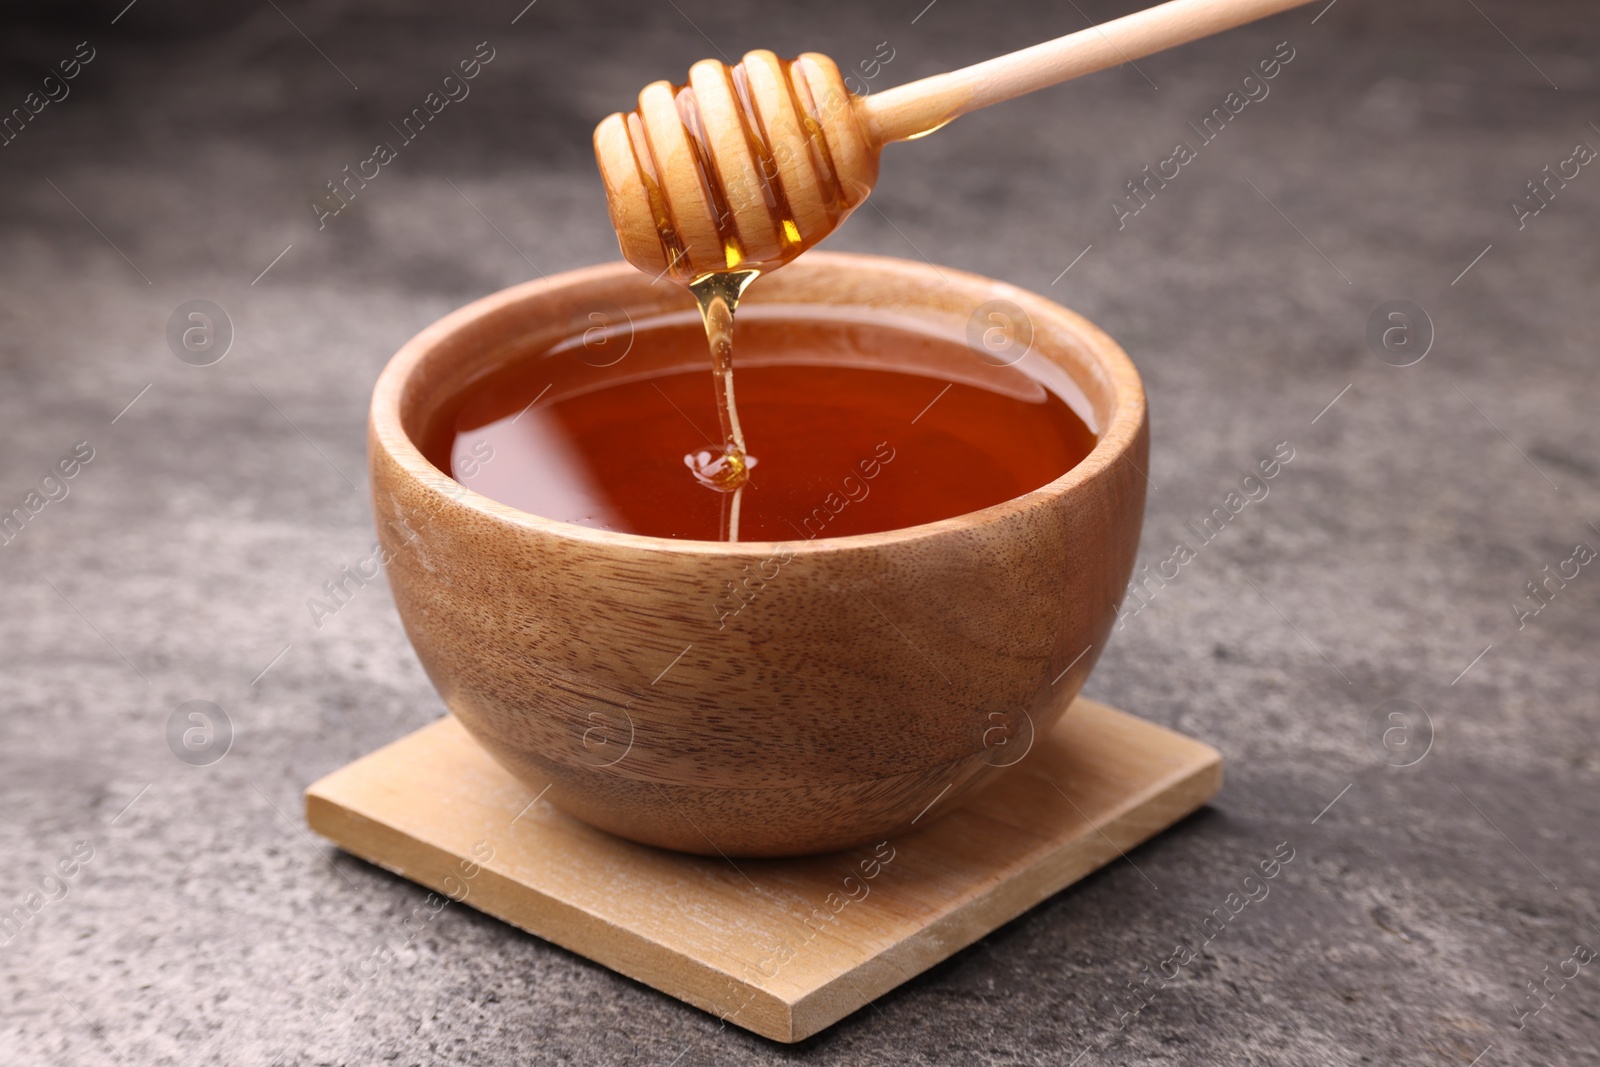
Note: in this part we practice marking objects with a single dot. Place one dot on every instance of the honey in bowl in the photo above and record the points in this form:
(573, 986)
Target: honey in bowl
(857, 425)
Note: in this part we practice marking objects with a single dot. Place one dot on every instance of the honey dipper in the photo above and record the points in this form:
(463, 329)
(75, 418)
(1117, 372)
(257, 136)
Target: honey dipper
(748, 166)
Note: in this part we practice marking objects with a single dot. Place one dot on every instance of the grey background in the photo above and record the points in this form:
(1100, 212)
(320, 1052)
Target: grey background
(211, 927)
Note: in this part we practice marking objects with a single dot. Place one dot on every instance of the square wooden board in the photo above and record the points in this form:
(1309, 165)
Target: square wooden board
(785, 948)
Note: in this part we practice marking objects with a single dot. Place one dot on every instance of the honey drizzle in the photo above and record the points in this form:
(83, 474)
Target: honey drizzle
(718, 291)
(718, 295)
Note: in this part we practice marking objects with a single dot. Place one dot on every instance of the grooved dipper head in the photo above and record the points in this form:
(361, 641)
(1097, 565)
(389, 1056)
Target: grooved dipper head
(743, 168)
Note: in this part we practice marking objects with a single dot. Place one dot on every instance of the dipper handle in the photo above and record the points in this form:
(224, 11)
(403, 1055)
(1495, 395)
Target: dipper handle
(919, 107)
(745, 167)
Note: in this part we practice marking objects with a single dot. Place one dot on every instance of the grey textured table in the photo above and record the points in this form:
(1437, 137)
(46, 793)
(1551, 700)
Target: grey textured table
(1386, 563)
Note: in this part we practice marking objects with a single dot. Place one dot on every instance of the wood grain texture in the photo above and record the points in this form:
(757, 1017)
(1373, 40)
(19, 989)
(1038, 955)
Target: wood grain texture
(786, 947)
(744, 166)
(750, 165)
(874, 666)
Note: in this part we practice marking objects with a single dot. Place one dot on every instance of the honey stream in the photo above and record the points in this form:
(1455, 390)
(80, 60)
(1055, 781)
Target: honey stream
(728, 470)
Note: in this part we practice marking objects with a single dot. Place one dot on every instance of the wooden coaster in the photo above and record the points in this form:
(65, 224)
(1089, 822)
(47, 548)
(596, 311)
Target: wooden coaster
(785, 948)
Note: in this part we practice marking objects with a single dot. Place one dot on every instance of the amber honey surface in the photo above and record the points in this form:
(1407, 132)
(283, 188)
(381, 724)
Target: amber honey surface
(853, 427)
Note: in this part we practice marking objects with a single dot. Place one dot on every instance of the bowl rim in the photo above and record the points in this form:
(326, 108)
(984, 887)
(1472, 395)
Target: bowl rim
(386, 430)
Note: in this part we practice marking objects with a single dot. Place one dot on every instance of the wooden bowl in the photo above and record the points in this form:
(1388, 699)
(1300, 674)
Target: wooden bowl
(880, 679)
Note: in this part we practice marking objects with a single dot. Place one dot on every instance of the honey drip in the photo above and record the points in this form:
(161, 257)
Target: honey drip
(720, 278)
(728, 470)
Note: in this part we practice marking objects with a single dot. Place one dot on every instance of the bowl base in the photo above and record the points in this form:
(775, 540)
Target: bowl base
(787, 947)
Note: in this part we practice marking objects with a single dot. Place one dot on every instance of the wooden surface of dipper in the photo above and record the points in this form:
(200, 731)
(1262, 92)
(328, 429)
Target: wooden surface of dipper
(782, 947)
(745, 167)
